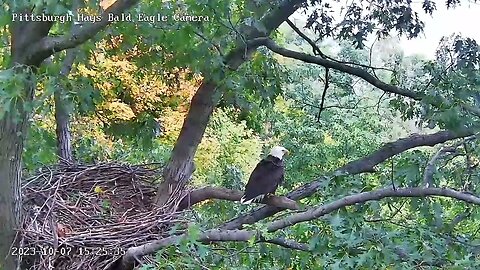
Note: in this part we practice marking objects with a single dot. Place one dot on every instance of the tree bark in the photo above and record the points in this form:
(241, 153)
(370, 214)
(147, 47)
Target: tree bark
(358, 72)
(62, 116)
(243, 235)
(180, 166)
(13, 127)
(12, 135)
(374, 195)
(128, 261)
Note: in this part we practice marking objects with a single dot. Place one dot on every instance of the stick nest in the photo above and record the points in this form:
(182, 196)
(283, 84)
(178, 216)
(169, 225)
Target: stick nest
(87, 216)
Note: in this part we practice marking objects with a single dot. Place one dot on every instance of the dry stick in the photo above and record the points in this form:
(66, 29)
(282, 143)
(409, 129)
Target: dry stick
(324, 94)
(286, 243)
(139, 226)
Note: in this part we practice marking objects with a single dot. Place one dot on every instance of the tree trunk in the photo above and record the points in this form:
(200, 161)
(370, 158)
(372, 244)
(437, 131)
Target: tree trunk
(62, 117)
(12, 134)
(13, 128)
(10, 168)
(180, 166)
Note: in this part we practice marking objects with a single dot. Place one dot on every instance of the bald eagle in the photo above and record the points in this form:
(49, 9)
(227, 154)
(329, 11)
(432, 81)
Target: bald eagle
(266, 176)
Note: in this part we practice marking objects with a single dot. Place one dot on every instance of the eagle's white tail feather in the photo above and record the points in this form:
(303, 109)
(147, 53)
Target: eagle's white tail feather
(243, 201)
(256, 199)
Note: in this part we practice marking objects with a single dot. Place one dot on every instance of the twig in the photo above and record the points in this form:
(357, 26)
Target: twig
(325, 88)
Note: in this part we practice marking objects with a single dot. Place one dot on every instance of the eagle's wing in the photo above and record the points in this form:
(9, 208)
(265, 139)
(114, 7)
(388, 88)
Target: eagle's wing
(282, 178)
(264, 179)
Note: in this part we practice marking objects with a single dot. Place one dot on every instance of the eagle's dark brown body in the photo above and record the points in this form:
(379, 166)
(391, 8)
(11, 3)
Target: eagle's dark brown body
(265, 178)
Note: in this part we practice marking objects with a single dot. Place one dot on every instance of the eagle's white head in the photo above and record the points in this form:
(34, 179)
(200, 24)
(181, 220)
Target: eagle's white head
(278, 152)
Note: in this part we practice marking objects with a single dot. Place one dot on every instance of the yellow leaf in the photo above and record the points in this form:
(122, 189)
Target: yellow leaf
(328, 140)
(98, 190)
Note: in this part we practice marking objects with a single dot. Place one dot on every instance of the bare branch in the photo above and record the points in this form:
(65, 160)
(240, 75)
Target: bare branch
(363, 197)
(206, 193)
(397, 210)
(442, 153)
(356, 71)
(317, 51)
(336, 106)
(128, 260)
(365, 164)
(315, 48)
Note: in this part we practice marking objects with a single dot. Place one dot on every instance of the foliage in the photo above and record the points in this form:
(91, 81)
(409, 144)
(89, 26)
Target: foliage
(390, 234)
(451, 83)
(254, 87)
(228, 153)
(359, 19)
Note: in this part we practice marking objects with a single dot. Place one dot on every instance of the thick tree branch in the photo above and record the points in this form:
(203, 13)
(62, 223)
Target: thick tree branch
(23, 35)
(206, 193)
(356, 71)
(47, 46)
(365, 164)
(272, 20)
(363, 197)
(62, 116)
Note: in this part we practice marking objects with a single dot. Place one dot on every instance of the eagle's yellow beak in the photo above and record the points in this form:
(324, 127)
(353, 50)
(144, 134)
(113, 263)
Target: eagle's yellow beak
(287, 152)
